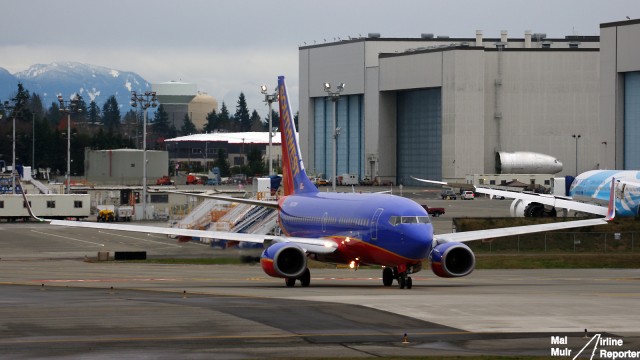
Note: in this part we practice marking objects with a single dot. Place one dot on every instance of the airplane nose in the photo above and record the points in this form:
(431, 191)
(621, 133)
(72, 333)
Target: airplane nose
(421, 239)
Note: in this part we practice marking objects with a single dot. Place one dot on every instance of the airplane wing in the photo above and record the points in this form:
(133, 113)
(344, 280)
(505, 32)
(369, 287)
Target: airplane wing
(516, 230)
(317, 246)
(265, 203)
(545, 199)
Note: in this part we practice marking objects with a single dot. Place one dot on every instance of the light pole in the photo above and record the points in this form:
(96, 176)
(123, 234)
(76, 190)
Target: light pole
(146, 100)
(334, 95)
(68, 107)
(7, 108)
(269, 99)
(33, 143)
(576, 137)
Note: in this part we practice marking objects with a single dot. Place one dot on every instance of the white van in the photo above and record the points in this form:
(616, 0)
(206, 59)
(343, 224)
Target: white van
(467, 195)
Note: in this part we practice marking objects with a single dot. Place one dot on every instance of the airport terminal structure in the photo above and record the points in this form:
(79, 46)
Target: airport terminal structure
(441, 108)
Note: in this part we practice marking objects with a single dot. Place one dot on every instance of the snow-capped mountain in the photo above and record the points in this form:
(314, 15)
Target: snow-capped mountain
(92, 82)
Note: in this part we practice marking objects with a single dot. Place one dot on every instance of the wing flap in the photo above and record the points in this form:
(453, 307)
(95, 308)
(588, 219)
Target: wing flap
(317, 246)
(549, 200)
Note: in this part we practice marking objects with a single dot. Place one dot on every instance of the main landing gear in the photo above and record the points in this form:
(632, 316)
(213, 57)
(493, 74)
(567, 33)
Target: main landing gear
(389, 274)
(305, 279)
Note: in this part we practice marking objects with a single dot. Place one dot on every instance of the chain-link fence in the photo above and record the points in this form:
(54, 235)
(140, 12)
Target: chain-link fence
(562, 242)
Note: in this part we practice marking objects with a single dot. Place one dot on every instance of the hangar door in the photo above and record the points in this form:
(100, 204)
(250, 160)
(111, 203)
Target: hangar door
(632, 120)
(350, 144)
(419, 135)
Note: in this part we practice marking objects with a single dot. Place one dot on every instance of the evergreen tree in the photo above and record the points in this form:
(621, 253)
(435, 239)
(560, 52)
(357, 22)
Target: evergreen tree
(93, 112)
(212, 122)
(242, 114)
(161, 123)
(224, 120)
(256, 122)
(255, 162)
(35, 106)
(188, 127)
(133, 128)
(111, 113)
(53, 115)
(222, 163)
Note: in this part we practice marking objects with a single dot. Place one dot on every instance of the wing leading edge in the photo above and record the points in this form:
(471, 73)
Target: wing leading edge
(317, 246)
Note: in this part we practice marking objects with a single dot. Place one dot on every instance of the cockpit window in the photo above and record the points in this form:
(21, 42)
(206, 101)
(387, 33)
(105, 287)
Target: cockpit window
(397, 220)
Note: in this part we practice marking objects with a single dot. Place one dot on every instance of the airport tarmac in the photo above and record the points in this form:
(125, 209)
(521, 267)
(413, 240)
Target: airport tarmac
(56, 305)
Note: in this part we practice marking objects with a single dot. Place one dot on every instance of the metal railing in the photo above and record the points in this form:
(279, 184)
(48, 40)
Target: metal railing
(578, 242)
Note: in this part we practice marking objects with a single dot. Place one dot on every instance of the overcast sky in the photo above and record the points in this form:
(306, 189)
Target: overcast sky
(232, 46)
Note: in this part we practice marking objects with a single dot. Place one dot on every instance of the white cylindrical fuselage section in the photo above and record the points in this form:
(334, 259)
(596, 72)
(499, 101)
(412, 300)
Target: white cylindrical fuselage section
(524, 162)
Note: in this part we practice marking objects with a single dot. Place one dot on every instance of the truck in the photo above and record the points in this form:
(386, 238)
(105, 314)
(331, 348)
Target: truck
(165, 180)
(192, 179)
(348, 179)
(434, 211)
(110, 213)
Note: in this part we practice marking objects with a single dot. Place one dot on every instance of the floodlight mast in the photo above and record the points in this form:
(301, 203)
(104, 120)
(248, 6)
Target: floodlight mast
(270, 99)
(69, 107)
(146, 100)
(334, 96)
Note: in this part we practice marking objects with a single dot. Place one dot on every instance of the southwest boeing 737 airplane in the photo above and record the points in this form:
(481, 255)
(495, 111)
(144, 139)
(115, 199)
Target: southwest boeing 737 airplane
(347, 228)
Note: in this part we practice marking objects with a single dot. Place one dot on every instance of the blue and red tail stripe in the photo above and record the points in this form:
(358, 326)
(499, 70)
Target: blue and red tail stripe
(295, 179)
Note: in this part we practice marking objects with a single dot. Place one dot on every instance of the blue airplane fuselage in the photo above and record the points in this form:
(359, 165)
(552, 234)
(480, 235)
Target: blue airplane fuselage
(374, 229)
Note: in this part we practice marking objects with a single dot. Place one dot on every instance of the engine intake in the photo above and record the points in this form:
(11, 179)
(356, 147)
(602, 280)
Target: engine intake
(452, 260)
(284, 260)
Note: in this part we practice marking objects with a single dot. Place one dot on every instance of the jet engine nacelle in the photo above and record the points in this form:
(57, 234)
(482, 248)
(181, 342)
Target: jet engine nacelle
(284, 260)
(525, 162)
(452, 260)
(523, 208)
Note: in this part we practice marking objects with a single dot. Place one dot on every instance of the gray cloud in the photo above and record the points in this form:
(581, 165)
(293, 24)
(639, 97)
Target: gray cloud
(229, 46)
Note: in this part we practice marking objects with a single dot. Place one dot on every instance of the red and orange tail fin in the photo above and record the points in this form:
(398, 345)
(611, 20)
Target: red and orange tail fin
(295, 178)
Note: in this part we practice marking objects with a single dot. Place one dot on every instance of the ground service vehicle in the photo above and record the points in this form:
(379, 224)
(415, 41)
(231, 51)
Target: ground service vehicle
(467, 195)
(106, 215)
(165, 180)
(192, 179)
(448, 194)
(434, 211)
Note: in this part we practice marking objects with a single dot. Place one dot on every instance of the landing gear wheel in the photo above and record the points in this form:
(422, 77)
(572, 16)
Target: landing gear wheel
(402, 281)
(409, 282)
(387, 276)
(305, 278)
(290, 282)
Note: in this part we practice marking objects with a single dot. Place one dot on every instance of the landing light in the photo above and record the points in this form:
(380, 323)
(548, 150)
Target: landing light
(352, 264)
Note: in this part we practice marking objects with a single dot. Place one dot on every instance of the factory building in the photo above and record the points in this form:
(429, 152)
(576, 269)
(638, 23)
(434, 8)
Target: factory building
(124, 166)
(202, 149)
(441, 108)
(180, 99)
(620, 89)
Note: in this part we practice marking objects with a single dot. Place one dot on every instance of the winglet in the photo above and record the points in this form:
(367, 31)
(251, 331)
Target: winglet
(294, 175)
(611, 210)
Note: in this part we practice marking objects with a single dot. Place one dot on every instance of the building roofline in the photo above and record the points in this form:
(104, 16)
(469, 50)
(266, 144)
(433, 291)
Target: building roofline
(482, 48)
(568, 38)
(620, 23)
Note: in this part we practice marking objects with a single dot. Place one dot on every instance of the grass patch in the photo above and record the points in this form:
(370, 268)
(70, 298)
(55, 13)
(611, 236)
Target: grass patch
(195, 261)
(558, 261)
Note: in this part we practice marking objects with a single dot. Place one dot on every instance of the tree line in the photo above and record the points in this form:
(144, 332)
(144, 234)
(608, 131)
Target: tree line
(101, 128)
